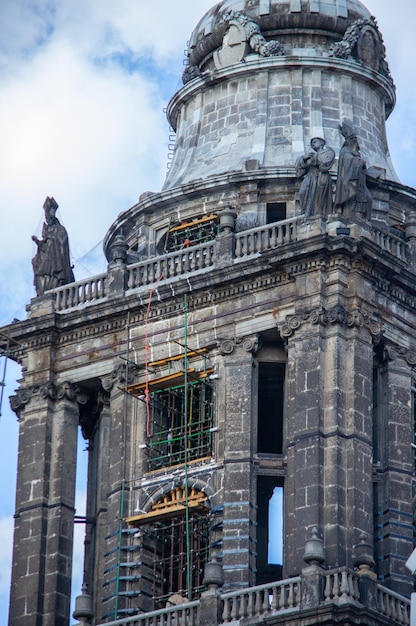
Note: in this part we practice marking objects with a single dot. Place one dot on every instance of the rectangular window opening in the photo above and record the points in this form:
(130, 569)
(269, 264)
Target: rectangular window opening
(275, 212)
(270, 408)
(270, 503)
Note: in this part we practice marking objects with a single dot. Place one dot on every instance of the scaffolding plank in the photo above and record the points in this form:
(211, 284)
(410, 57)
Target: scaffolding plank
(160, 515)
(168, 381)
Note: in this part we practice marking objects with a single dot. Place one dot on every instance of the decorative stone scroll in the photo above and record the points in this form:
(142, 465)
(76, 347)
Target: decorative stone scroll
(249, 344)
(336, 315)
(394, 352)
(364, 43)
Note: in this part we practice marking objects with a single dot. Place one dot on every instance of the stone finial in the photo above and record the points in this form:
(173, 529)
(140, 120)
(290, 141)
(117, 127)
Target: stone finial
(314, 549)
(83, 606)
(119, 249)
(227, 219)
(363, 556)
(213, 575)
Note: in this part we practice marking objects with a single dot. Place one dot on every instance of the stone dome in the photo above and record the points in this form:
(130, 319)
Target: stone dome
(275, 18)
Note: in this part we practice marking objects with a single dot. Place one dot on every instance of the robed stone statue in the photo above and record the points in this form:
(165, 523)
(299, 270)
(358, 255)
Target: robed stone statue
(352, 195)
(315, 192)
(51, 263)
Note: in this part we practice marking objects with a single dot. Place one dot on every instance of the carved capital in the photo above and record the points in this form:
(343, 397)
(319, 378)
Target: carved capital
(392, 353)
(249, 344)
(20, 400)
(336, 315)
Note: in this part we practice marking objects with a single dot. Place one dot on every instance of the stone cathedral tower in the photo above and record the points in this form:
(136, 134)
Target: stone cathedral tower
(244, 371)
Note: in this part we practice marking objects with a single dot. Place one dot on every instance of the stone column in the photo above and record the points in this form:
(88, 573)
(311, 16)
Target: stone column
(43, 540)
(235, 420)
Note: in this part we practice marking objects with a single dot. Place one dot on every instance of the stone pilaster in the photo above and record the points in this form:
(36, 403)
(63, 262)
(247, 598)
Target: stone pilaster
(42, 559)
(329, 453)
(114, 463)
(235, 418)
(394, 508)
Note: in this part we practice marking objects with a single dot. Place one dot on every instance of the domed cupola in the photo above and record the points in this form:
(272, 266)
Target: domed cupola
(266, 76)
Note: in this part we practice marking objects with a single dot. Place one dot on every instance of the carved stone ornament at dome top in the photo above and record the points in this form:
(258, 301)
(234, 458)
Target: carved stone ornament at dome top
(363, 42)
(324, 317)
(243, 35)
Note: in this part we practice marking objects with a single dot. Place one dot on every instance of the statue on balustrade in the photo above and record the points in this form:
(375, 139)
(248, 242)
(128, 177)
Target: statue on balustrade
(51, 263)
(315, 192)
(352, 195)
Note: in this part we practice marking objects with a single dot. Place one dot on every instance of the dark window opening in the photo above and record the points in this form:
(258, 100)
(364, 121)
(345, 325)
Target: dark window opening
(175, 438)
(275, 212)
(269, 529)
(270, 408)
(376, 413)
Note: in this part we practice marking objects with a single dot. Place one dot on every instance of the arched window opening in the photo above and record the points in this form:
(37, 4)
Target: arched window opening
(174, 542)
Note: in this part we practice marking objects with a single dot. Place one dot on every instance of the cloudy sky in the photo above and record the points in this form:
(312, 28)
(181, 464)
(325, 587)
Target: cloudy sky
(83, 87)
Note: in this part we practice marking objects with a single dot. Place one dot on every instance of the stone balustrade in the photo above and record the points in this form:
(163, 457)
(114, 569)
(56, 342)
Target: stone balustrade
(265, 238)
(392, 244)
(181, 615)
(82, 292)
(279, 596)
(393, 606)
(200, 258)
(339, 586)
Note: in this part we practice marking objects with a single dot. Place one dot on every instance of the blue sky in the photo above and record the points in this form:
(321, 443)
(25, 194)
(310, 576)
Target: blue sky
(83, 86)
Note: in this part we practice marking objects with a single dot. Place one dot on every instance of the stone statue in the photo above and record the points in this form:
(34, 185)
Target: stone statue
(51, 263)
(352, 195)
(316, 188)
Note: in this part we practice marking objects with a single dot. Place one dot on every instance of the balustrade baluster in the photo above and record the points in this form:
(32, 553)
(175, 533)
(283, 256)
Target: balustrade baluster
(344, 585)
(290, 597)
(250, 605)
(282, 598)
(275, 600)
(266, 601)
(234, 610)
(226, 613)
(335, 589)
